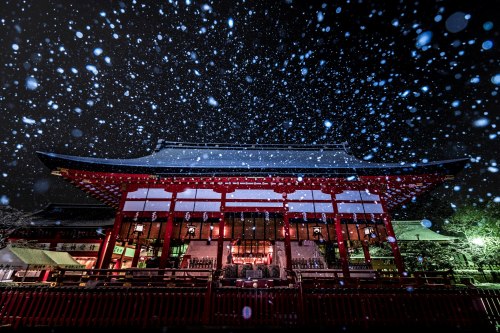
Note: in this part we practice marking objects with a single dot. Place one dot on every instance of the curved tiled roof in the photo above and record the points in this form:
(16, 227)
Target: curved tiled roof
(257, 160)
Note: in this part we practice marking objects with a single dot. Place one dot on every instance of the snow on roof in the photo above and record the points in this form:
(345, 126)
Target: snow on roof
(415, 230)
(182, 158)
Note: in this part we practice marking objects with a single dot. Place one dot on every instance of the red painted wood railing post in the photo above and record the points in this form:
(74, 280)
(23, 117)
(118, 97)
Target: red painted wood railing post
(207, 306)
(300, 310)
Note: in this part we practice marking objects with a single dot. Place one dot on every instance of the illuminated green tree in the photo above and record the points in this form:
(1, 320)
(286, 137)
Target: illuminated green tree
(427, 255)
(478, 229)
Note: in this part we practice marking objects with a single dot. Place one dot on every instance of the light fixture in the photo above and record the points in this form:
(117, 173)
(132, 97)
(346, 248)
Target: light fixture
(139, 228)
(316, 230)
(191, 229)
(368, 230)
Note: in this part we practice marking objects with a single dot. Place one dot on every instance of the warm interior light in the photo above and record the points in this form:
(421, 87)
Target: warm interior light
(139, 227)
(316, 230)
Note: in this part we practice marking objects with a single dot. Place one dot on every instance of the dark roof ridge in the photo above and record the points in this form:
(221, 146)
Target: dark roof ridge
(164, 144)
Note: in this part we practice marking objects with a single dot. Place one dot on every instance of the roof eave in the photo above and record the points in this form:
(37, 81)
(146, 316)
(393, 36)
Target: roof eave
(57, 161)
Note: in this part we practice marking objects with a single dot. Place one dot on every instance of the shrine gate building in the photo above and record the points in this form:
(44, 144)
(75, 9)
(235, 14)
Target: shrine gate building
(282, 205)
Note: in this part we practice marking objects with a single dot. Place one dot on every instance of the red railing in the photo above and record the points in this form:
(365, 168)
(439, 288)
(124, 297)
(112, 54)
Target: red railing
(246, 307)
(101, 307)
(148, 277)
(389, 308)
(301, 305)
(328, 278)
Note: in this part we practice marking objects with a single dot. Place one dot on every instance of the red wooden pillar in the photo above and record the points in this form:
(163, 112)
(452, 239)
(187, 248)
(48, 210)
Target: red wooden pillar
(137, 252)
(391, 238)
(46, 275)
(342, 249)
(344, 262)
(165, 252)
(220, 240)
(366, 251)
(53, 242)
(102, 248)
(288, 246)
(111, 241)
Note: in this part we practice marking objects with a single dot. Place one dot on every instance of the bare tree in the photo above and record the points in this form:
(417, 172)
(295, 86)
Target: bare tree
(11, 220)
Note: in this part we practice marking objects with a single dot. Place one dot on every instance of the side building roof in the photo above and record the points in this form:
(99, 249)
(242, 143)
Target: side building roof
(416, 231)
(66, 215)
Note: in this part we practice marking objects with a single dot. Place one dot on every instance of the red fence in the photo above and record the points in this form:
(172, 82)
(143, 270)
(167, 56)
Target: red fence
(389, 308)
(344, 308)
(246, 307)
(106, 307)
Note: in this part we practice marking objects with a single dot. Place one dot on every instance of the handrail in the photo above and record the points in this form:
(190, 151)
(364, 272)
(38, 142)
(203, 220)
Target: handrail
(197, 276)
(132, 276)
(375, 277)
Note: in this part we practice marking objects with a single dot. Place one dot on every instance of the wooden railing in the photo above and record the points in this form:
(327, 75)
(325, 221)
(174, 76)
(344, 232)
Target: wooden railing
(148, 277)
(345, 308)
(189, 277)
(101, 307)
(322, 278)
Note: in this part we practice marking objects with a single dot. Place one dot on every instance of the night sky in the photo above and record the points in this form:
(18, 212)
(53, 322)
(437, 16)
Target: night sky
(401, 81)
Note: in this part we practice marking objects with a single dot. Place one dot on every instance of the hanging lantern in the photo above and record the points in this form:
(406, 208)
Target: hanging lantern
(187, 217)
(323, 217)
(242, 218)
(191, 229)
(304, 216)
(136, 216)
(316, 230)
(266, 216)
(355, 218)
(154, 216)
(205, 216)
(139, 228)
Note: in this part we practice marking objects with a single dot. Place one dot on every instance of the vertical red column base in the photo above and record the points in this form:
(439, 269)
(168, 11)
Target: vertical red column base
(398, 260)
(110, 246)
(366, 252)
(342, 249)
(165, 252)
(220, 242)
(288, 246)
(137, 253)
